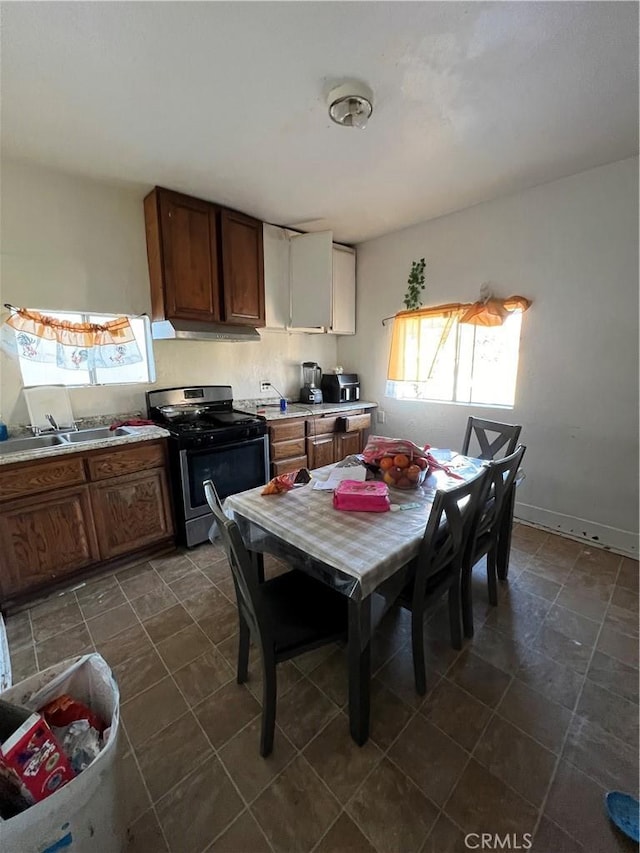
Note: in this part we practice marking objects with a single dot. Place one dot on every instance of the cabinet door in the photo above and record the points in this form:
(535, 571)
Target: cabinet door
(242, 269)
(190, 258)
(348, 443)
(344, 291)
(311, 271)
(44, 538)
(276, 277)
(320, 451)
(131, 512)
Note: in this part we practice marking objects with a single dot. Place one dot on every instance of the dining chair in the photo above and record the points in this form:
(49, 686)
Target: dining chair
(285, 616)
(438, 566)
(484, 540)
(490, 445)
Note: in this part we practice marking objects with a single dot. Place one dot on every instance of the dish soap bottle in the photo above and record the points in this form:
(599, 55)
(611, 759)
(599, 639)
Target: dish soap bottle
(4, 434)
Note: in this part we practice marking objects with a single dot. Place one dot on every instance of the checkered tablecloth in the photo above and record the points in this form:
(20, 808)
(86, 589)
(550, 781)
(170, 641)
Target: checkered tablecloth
(369, 547)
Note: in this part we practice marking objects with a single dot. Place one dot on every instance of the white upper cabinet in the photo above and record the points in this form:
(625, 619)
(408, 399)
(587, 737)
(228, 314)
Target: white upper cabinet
(310, 282)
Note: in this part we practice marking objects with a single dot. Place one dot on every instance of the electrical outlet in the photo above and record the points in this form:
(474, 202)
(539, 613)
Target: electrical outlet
(265, 386)
(381, 416)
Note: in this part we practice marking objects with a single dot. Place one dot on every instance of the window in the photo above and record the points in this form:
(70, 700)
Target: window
(460, 362)
(41, 372)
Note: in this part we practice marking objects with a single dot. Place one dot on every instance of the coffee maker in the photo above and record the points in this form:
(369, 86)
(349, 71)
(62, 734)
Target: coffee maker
(310, 391)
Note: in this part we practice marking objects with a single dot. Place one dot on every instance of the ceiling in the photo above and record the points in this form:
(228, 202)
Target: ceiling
(227, 100)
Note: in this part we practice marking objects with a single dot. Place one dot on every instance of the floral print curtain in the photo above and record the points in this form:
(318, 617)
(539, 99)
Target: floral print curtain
(34, 336)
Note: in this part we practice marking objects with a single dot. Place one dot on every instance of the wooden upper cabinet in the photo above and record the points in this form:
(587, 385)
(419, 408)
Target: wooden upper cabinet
(205, 262)
(242, 268)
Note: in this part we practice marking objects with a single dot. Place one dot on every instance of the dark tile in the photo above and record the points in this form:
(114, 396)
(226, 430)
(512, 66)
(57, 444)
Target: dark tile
(628, 574)
(548, 569)
(551, 839)
(172, 754)
(111, 623)
(391, 811)
(344, 837)
(225, 712)
(445, 837)
(193, 583)
(50, 623)
(528, 538)
(222, 622)
(556, 682)
(75, 641)
(101, 600)
(143, 583)
(173, 567)
(145, 835)
(310, 660)
(241, 756)
(608, 760)
(614, 714)
(203, 676)
(614, 675)
(564, 650)
(501, 650)
(226, 587)
(519, 615)
(457, 713)
(535, 714)
(593, 607)
(206, 554)
(167, 623)
(389, 714)
(598, 561)
(151, 711)
(191, 820)
(134, 799)
(576, 804)
(23, 663)
(150, 603)
(18, 630)
(420, 749)
(138, 673)
(95, 586)
(573, 625)
(337, 759)
(537, 585)
(205, 603)
(183, 647)
(473, 804)
(590, 585)
(622, 620)
(303, 712)
(332, 677)
(397, 674)
(483, 680)
(279, 810)
(243, 836)
(625, 598)
(132, 571)
(517, 759)
(618, 646)
(126, 645)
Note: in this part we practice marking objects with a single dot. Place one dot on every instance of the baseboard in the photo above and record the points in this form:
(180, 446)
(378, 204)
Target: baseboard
(590, 532)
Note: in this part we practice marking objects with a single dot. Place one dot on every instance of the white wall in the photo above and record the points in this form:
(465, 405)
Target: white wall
(572, 247)
(74, 244)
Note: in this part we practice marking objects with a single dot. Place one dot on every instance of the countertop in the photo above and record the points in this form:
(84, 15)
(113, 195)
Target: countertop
(271, 411)
(143, 433)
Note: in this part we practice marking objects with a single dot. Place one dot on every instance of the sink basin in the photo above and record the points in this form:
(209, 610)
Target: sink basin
(94, 434)
(17, 445)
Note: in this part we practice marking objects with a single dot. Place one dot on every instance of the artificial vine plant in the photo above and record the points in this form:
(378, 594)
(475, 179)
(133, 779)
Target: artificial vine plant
(412, 298)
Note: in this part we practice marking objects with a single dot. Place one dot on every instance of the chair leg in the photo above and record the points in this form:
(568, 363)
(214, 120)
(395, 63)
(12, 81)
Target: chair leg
(492, 579)
(467, 602)
(269, 698)
(244, 638)
(417, 642)
(454, 615)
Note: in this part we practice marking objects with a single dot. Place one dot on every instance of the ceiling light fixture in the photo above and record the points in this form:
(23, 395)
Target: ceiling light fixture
(351, 104)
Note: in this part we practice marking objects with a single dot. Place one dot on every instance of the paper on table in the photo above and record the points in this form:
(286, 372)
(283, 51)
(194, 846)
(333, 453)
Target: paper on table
(338, 474)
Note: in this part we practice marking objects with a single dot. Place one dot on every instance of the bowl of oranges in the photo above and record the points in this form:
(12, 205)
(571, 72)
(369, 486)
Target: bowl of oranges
(403, 470)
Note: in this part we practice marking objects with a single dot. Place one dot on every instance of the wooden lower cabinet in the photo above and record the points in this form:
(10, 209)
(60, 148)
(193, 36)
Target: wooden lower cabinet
(320, 451)
(131, 512)
(44, 538)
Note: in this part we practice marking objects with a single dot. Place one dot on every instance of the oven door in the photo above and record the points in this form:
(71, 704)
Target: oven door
(233, 467)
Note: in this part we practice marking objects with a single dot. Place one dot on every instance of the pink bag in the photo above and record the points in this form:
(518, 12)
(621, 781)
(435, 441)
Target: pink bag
(356, 496)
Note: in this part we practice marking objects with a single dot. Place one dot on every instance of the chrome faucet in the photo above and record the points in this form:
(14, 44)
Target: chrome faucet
(51, 421)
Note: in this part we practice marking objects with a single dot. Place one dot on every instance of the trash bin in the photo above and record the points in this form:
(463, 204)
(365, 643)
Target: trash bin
(83, 816)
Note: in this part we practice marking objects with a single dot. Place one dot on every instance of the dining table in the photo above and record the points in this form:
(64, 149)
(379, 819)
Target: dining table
(366, 556)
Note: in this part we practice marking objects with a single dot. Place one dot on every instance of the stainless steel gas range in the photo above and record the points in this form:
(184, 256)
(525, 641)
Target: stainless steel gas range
(209, 440)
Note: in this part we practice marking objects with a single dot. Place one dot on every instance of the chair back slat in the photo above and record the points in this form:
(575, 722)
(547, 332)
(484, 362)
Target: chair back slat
(244, 577)
(448, 528)
(500, 479)
(503, 436)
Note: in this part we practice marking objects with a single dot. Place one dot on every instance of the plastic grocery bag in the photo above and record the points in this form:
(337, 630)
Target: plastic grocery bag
(83, 816)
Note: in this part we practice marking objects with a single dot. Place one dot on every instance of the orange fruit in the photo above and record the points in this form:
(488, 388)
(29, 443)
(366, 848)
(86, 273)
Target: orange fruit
(413, 473)
(401, 461)
(388, 479)
(386, 462)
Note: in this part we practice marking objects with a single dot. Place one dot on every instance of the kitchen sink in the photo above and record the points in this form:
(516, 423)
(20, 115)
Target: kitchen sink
(94, 434)
(18, 445)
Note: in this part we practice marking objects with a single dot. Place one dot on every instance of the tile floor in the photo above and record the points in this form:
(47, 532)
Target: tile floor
(522, 731)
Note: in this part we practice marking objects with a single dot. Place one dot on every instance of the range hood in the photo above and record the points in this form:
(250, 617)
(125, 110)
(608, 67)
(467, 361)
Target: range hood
(194, 330)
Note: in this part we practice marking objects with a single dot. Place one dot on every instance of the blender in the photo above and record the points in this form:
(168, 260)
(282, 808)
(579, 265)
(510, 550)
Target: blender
(310, 391)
